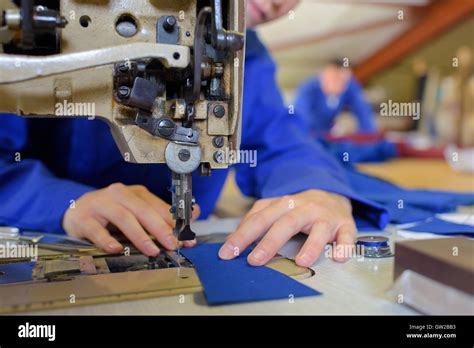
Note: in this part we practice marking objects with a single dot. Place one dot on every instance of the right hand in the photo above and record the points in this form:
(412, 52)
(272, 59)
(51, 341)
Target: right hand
(134, 210)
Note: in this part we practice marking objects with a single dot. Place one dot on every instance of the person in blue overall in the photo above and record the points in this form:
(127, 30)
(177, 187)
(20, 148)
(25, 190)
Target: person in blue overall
(320, 99)
(67, 176)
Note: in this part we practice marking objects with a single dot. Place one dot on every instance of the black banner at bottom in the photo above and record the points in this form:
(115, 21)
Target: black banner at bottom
(140, 330)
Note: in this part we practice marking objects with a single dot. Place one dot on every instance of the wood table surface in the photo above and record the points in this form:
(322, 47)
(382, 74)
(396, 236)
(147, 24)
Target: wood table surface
(421, 174)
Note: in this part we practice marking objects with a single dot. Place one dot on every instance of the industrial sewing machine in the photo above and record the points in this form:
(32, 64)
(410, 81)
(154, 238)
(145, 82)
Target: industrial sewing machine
(166, 75)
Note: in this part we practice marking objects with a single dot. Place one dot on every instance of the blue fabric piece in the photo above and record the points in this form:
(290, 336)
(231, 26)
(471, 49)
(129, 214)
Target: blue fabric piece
(319, 111)
(63, 159)
(376, 151)
(16, 272)
(439, 226)
(235, 281)
(405, 205)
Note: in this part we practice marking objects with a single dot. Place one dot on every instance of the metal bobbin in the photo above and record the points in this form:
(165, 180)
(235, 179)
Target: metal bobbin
(374, 247)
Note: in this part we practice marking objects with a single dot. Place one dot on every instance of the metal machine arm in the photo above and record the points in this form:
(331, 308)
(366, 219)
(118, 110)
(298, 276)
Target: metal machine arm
(162, 74)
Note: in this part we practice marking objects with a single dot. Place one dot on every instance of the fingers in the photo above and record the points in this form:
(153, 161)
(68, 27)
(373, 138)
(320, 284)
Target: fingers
(258, 205)
(345, 240)
(324, 216)
(281, 231)
(146, 215)
(97, 234)
(161, 207)
(163, 233)
(189, 243)
(128, 224)
(252, 229)
(132, 209)
(320, 234)
(196, 211)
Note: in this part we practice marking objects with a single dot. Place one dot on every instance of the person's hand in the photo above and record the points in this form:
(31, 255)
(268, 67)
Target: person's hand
(325, 217)
(134, 210)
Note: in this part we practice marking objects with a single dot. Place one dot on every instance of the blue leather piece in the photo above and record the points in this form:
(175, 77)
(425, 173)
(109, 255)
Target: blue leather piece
(439, 226)
(235, 281)
(406, 205)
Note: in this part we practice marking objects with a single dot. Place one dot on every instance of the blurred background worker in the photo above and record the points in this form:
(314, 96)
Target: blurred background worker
(320, 99)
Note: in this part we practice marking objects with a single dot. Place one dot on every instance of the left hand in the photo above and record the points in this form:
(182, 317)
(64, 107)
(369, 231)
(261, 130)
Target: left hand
(325, 217)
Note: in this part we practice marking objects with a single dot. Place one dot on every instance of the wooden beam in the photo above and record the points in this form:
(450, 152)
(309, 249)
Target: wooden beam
(333, 34)
(411, 13)
(379, 3)
(439, 17)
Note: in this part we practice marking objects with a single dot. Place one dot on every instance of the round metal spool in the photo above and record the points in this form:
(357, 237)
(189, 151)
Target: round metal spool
(374, 247)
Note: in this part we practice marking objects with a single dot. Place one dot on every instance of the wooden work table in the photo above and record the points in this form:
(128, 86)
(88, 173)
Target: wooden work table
(421, 174)
(353, 287)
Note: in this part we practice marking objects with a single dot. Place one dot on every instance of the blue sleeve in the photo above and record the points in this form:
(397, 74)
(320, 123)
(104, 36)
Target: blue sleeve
(302, 104)
(361, 108)
(31, 196)
(288, 160)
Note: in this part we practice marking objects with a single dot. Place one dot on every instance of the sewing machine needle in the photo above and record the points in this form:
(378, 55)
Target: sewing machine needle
(179, 259)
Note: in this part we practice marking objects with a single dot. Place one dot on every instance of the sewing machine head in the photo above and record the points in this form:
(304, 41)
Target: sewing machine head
(165, 75)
